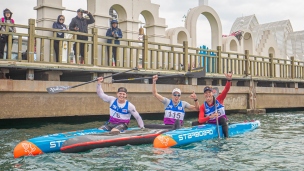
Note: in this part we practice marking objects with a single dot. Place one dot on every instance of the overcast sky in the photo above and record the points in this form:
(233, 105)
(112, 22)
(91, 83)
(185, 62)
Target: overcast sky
(173, 11)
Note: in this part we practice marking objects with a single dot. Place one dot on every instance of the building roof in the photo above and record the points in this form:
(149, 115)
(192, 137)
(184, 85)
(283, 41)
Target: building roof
(244, 23)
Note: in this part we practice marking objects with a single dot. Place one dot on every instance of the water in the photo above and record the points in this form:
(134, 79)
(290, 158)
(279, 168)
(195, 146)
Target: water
(277, 145)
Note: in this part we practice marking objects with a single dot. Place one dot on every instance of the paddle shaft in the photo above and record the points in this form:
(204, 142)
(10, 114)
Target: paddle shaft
(58, 89)
(103, 77)
(142, 78)
(197, 73)
(217, 124)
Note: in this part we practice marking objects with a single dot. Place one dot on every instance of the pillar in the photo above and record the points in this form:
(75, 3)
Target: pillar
(47, 14)
(107, 80)
(30, 74)
(234, 83)
(3, 73)
(208, 81)
(192, 81)
(293, 85)
(52, 75)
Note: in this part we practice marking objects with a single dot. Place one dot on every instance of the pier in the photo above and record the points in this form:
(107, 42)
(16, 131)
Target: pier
(259, 82)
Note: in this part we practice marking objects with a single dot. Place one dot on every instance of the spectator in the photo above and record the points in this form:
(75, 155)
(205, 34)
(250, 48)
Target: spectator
(115, 32)
(79, 23)
(7, 18)
(59, 25)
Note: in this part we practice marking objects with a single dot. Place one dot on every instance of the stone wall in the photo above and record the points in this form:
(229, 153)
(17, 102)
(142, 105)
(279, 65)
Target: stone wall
(29, 99)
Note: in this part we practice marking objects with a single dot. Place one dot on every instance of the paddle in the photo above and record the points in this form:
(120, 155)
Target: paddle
(58, 89)
(215, 94)
(196, 73)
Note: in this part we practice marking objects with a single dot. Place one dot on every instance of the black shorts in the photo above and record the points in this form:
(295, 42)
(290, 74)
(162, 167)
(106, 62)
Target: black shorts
(108, 127)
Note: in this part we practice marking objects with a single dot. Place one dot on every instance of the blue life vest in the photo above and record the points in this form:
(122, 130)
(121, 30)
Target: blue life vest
(174, 112)
(210, 110)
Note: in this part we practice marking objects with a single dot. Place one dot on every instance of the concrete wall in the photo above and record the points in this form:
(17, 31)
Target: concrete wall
(29, 99)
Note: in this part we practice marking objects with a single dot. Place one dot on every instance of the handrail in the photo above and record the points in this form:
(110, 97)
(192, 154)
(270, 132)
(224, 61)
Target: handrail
(151, 55)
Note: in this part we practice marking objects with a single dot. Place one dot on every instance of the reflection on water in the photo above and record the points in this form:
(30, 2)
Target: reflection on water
(277, 145)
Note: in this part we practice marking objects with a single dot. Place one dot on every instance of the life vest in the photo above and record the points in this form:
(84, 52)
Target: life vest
(209, 110)
(119, 115)
(174, 112)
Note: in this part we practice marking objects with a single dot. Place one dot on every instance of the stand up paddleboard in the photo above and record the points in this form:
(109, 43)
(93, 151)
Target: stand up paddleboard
(199, 133)
(51, 143)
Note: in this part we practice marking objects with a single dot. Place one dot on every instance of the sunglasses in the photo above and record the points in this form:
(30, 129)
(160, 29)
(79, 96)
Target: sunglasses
(176, 95)
(61, 19)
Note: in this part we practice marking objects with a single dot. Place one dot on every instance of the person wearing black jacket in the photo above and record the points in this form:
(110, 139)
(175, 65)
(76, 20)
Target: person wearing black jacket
(116, 33)
(59, 25)
(79, 23)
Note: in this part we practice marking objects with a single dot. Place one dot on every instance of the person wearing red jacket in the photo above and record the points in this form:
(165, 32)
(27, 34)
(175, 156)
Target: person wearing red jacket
(207, 109)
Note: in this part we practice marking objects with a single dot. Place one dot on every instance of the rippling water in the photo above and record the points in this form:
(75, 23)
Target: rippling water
(277, 145)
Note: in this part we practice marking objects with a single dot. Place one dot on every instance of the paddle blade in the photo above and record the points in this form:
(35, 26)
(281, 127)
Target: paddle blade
(215, 91)
(196, 73)
(57, 89)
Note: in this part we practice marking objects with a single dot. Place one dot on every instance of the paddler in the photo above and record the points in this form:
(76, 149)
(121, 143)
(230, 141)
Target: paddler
(120, 110)
(207, 110)
(174, 107)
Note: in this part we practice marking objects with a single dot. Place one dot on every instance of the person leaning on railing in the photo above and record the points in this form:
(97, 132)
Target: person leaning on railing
(7, 18)
(59, 25)
(79, 23)
(116, 33)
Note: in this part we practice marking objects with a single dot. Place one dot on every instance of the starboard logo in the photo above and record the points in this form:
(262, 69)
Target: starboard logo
(124, 110)
(180, 108)
(56, 144)
(197, 134)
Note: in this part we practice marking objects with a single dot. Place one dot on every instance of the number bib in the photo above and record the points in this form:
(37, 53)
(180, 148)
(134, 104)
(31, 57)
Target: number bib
(174, 112)
(119, 115)
(174, 115)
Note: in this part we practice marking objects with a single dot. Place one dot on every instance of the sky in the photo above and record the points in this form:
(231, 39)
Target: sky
(174, 10)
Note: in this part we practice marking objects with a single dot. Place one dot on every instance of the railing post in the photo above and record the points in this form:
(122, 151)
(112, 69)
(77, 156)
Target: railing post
(247, 63)
(145, 52)
(52, 43)
(110, 53)
(219, 62)
(271, 65)
(292, 68)
(19, 48)
(95, 46)
(185, 49)
(31, 40)
(9, 45)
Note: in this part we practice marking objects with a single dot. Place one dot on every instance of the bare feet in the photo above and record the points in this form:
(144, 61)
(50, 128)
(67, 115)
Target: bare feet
(114, 131)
